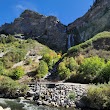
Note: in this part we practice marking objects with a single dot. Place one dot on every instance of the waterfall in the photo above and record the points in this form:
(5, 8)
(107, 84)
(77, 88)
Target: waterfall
(70, 41)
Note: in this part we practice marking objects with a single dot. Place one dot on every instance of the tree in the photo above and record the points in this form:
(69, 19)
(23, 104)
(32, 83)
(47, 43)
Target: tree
(42, 69)
(91, 67)
(63, 71)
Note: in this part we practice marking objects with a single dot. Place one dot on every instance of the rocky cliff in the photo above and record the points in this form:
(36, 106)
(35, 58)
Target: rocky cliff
(47, 30)
(96, 20)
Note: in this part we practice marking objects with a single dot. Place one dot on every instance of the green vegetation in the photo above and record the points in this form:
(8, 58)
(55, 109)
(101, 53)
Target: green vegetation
(85, 70)
(16, 73)
(71, 96)
(42, 69)
(10, 87)
(88, 62)
(67, 68)
(50, 58)
(91, 67)
(98, 97)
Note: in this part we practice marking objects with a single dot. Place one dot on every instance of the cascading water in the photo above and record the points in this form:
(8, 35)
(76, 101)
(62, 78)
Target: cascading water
(70, 41)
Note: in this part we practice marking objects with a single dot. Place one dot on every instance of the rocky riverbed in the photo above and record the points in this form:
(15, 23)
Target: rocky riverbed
(56, 94)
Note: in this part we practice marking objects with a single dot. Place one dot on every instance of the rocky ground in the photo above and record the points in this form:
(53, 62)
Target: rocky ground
(56, 94)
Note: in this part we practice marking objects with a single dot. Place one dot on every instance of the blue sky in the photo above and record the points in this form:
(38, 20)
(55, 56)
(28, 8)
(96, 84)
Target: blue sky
(66, 10)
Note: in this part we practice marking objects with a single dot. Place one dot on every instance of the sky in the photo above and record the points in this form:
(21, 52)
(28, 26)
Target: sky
(65, 10)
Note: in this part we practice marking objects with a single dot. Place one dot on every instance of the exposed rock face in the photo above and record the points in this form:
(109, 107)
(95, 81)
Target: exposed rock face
(96, 20)
(47, 30)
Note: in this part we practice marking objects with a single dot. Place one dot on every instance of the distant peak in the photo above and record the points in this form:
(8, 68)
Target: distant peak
(29, 13)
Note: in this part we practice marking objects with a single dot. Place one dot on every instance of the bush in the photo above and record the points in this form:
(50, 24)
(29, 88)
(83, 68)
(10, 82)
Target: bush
(71, 96)
(42, 69)
(2, 70)
(63, 71)
(91, 67)
(17, 73)
(10, 87)
(104, 75)
(98, 97)
(50, 58)
(72, 64)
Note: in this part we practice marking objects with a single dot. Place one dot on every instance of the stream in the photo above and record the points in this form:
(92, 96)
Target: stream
(25, 105)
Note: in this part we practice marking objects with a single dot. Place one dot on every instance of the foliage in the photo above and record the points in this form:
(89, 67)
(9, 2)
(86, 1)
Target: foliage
(7, 39)
(63, 71)
(9, 86)
(16, 73)
(91, 67)
(104, 75)
(13, 57)
(42, 69)
(71, 96)
(2, 70)
(98, 96)
(50, 58)
(79, 59)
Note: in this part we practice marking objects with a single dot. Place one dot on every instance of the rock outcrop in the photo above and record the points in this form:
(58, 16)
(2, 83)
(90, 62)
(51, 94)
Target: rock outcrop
(96, 20)
(47, 30)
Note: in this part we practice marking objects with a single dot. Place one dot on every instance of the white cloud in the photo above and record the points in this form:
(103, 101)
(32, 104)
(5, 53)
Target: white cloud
(20, 7)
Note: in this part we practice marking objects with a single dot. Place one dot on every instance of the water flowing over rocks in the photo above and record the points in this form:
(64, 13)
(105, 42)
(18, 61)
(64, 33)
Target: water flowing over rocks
(56, 94)
(4, 109)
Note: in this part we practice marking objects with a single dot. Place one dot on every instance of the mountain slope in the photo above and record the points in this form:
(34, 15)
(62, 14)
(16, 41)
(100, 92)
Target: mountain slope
(96, 20)
(98, 45)
(46, 29)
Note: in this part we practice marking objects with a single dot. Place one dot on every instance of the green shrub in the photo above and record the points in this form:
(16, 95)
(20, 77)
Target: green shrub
(50, 58)
(9, 86)
(42, 69)
(72, 64)
(91, 67)
(63, 71)
(2, 70)
(17, 73)
(104, 75)
(71, 96)
(98, 97)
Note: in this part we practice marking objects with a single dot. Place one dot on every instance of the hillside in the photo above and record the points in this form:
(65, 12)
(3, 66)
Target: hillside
(88, 62)
(96, 20)
(98, 45)
(47, 30)
(26, 54)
